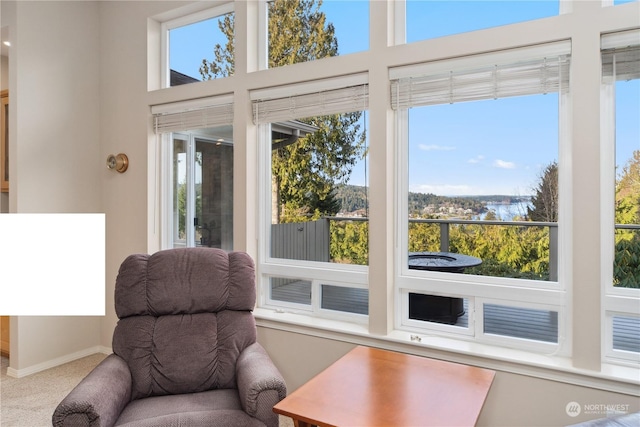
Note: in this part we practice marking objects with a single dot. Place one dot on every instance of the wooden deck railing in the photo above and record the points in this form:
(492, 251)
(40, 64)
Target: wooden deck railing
(445, 225)
(311, 240)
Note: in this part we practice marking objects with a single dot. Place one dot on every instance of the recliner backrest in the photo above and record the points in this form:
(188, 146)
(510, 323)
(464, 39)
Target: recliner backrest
(185, 316)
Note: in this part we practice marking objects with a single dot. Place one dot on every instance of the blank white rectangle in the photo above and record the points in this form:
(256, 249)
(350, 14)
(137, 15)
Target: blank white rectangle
(52, 264)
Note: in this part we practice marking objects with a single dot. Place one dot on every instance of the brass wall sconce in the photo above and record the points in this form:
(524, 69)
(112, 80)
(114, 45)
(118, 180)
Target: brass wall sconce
(119, 162)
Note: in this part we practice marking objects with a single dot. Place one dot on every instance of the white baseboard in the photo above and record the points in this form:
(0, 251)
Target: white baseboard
(20, 373)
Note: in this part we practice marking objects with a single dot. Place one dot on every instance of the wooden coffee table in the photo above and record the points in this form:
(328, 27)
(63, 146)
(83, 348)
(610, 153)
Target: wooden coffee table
(370, 387)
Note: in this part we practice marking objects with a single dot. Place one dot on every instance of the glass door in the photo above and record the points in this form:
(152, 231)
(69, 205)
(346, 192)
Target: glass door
(202, 187)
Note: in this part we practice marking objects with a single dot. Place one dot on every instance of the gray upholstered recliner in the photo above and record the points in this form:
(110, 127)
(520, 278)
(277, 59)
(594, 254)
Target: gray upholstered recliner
(184, 349)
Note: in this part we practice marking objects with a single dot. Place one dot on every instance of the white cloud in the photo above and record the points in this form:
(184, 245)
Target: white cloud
(504, 164)
(476, 159)
(434, 147)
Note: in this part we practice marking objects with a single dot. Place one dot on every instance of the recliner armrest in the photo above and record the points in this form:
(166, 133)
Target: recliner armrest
(260, 384)
(99, 398)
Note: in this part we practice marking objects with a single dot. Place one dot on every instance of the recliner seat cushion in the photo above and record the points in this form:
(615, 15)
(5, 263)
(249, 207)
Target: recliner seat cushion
(216, 407)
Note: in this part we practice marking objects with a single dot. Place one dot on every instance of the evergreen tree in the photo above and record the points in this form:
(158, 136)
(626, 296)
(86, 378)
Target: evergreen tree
(545, 199)
(307, 172)
(223, 65)
(628, 192)
(491, 216)
(626, 267)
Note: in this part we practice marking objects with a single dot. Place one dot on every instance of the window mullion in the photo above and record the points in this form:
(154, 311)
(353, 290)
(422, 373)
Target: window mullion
(191, 193)
(583, 221)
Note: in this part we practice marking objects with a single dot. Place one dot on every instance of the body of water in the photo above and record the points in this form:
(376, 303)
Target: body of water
(507, 212)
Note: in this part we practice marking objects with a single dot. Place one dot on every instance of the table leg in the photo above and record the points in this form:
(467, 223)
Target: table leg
(298, 423)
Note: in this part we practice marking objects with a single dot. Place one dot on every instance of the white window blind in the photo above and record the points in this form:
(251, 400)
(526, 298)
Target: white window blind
(520, 72)
(195, 114)
(270, 106)
(621, 55)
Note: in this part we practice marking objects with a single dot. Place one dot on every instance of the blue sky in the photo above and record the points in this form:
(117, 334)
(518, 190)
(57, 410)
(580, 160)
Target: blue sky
(482, 147)
(486, 147)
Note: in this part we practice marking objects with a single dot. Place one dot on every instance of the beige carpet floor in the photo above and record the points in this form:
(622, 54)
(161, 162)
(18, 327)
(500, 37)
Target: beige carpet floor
(31, 400)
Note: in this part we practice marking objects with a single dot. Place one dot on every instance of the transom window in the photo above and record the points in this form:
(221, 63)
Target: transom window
(303, 31)
(433, 18)
(198, 46)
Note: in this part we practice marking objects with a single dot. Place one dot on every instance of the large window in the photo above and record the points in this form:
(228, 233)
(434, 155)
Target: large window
(315, 194)
(482, 191)
(462, 194)
(483, 181)
(196, 141)
(202, 188)
(621, 146)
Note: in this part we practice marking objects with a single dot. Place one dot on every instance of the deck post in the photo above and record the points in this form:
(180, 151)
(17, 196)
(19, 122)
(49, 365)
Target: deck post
(553, 253)
(444, 237)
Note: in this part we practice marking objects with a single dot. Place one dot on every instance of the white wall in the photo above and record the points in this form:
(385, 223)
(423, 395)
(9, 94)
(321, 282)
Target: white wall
(126, 128)
(54, 147)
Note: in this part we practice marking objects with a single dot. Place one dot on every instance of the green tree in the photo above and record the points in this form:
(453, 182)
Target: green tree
(182, 206)
(298, 32)
(545, 199)
(424, 237)
(182, 210)
(350, 242)
(223, 64)
(491, 216)
(628, 192)
(626, 267)
(307, 172)
(352, 197)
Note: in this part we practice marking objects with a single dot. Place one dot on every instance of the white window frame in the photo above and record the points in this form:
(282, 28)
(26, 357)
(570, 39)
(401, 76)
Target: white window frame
(479, 289)
(171, 239)
(315, 308)
(168, 216)
(616, 301)
(183, 21)
(314, 271)
(400, 9)
(548, 348)
(617, 356)
(183, 118)
(572, 369)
